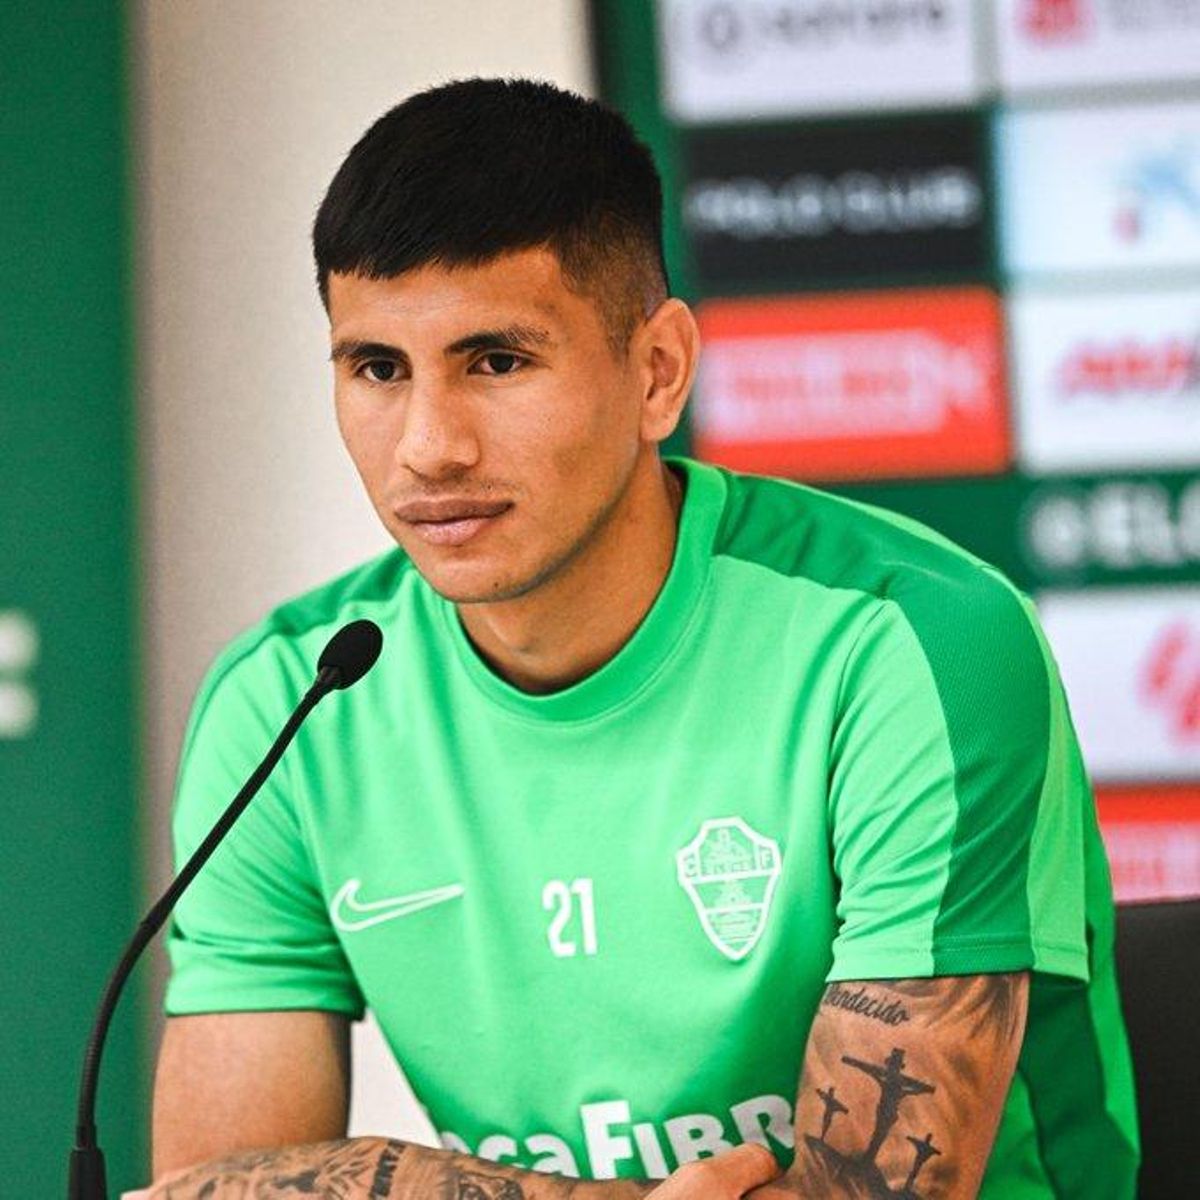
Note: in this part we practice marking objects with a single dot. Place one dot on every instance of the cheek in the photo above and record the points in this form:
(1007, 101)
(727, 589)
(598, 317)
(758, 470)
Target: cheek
(600, 437)
(592, 411)
(365, 434)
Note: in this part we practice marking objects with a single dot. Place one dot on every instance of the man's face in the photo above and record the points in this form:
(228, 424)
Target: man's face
(494, 426)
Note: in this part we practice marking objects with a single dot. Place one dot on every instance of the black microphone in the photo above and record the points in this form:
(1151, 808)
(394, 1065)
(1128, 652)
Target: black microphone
(350, 654)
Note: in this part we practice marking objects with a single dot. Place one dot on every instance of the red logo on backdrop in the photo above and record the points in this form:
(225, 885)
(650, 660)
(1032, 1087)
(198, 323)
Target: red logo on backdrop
(1170, 679)
(1169, 366)
(875, 385)
(1054, 20)
(1152, 835)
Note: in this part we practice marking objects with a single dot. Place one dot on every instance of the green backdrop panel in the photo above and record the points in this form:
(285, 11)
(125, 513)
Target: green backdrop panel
(68, 859)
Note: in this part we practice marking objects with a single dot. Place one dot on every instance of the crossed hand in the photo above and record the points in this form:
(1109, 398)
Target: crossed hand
(729, 1176)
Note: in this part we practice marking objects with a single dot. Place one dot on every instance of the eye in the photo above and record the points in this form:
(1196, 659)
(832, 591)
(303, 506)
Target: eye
(379, 370)
(500, 362)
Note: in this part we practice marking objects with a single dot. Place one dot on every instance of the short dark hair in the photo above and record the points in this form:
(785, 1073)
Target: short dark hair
(464, 172)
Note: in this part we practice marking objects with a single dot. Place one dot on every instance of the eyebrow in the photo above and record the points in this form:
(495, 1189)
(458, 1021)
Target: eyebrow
(507, 337)
(352, 350)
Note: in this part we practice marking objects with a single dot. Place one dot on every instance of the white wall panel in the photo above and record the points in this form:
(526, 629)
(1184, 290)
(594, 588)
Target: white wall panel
(244, 109)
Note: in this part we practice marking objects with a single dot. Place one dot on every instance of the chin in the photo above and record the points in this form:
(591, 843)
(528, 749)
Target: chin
(464, 583)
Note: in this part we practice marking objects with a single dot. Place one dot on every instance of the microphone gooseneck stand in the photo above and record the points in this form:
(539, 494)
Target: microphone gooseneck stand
(349, 655)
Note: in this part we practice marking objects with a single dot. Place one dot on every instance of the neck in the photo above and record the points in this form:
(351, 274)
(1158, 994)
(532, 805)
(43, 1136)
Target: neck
(571, 625)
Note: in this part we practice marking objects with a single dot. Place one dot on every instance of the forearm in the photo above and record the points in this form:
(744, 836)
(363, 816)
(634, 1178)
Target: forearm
(902, 1088)
(375, 1168)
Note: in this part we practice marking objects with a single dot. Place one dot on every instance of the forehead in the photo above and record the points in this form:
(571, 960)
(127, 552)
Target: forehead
(439, 303)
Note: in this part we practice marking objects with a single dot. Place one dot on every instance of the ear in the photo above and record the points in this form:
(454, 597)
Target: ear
(666, 349)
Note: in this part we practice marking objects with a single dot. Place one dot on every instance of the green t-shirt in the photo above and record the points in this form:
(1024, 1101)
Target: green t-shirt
(594, 926)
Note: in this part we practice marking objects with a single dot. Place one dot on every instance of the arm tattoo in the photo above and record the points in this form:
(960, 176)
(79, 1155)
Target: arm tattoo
(903, 1084)
(862, 1167)
(385, 1168)
(888, 1009)
(345, 1170)
(373, 1169)
(992, 1004)
(470, 1185)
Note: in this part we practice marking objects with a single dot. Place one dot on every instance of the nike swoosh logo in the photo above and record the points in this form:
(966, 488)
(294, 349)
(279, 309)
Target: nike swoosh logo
(350, 914)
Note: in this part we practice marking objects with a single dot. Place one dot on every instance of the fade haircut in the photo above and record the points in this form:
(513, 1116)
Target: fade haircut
(462, 173)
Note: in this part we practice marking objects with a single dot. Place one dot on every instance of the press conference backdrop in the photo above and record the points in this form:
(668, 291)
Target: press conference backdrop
(946, 258)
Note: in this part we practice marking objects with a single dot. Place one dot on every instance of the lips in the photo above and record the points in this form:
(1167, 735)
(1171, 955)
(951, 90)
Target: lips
(450, 521)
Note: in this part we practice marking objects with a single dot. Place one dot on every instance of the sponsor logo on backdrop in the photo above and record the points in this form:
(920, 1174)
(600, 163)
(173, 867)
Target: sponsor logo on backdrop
(18, 657)
(1153, 840)
(841, 387)
(1053, 20)
(1130, 661)
(1064, 43)
(1118, 526)
(724, 59)
(1101, 189)
(1156, 185)
(845, 202)
(1114, 370)
(855, 202)
(1170, 679)
(1107, 381)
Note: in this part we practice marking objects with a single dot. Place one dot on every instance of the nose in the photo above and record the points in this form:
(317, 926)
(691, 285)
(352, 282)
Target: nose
(438, 439)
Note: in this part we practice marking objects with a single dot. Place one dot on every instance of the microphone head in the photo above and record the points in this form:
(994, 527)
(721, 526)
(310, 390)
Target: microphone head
(350, 653)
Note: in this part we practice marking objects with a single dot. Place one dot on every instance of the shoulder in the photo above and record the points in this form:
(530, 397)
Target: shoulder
(281, 650)
(976, 631)
(806, 533)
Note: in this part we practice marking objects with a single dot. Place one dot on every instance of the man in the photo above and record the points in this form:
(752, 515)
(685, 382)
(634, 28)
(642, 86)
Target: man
(678, 800)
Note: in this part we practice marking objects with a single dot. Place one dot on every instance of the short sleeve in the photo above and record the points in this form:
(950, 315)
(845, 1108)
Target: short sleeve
(252, 931)
(958, 803)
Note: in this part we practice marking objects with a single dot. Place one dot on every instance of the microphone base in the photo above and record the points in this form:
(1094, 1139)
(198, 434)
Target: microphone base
(86, 1177)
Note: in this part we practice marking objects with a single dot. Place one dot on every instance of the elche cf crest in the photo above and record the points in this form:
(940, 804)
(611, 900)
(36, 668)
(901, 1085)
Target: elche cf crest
(730, 872)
